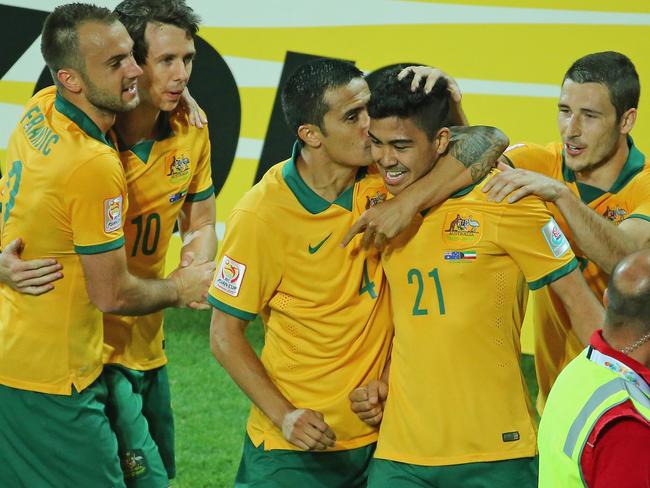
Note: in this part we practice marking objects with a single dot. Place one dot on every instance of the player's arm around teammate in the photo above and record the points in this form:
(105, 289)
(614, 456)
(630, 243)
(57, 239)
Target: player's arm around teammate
(33, 277)
(601, 240)
(472, 153)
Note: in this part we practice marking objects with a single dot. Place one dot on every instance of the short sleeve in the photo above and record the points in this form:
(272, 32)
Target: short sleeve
(249, 266)
(530, 235)
(641, 199)
(96, 201)
(201, 187)
(533, 157)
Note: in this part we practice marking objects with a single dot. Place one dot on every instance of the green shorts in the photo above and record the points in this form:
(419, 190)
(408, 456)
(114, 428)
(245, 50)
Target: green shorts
(511, 473)
(57, 440)
(139, 409)
(281, 468)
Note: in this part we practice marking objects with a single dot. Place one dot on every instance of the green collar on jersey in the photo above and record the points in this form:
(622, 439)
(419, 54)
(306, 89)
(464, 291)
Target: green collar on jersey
(635, 163)
(84, 122)
(143, 148)
(460, 193)
(308, 198)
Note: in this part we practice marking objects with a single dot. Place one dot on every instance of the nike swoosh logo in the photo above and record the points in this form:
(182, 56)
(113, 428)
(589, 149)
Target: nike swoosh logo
(313, 249)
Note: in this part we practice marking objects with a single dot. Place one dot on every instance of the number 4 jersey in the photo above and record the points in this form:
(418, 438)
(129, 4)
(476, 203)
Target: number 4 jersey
(325, 307)
(458, 295)
(161, 175)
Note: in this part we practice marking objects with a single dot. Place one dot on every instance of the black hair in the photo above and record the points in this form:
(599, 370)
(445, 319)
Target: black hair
(60, 36)
(136, 14)
(391, 97)
(615, 71)
(303, 94)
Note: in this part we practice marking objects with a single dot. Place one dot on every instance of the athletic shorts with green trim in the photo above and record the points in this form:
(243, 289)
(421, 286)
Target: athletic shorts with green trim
(139, 408)
(282, 468)
(511, 473)
(57, 440)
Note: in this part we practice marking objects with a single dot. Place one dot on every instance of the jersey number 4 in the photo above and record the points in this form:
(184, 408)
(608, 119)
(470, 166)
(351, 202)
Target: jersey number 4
(414, 276)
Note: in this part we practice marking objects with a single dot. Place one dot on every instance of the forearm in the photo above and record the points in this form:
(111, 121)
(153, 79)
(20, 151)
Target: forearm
(233, 351)
(583, 308)
(136, 296)
(599, 239)
(473, 152)
(457, 115)
(200, 243)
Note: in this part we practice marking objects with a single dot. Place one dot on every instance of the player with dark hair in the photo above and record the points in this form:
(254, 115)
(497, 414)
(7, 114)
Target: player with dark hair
(65, 194)
(325, 308)
(167, 167)
(457, 407)
(598, 184)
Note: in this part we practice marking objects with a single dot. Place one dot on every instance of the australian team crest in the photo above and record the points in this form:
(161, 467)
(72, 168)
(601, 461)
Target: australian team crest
(463, 227)
(372, 200)
(178, 168)
(615, 215)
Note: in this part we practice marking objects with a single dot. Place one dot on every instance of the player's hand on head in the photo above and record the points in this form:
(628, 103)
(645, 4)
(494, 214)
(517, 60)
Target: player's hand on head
(368, 401)
(307, 430)
(190, 106)
(33, 277)
(516, 184)
(431, 75)
(381, 223)
(193, 282)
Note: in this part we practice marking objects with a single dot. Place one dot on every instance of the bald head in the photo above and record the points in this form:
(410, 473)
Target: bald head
(628, 292)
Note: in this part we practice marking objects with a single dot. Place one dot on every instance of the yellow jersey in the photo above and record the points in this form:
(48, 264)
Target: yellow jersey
(161, 175)
(325, 308)
(65, 195)
(458, 296)
(555, 342)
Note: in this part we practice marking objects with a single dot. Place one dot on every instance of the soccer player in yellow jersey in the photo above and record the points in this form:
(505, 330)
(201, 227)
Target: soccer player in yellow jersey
(167, 169)
(65, 194)
(597, 183)
(457, 406)
(325, 308)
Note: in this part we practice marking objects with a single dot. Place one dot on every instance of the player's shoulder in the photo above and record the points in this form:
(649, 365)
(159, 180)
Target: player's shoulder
(532, 156)
(265, 198)
(527, 204)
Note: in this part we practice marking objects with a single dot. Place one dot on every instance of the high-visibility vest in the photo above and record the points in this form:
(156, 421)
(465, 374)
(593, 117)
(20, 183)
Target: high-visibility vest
(587, 388)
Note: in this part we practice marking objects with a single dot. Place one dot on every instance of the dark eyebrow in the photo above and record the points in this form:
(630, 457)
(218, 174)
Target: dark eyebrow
(117, 58)
(591, 111)
(352, 112)
(401, 141)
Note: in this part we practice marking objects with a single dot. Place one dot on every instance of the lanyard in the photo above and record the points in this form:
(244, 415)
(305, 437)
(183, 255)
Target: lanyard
(619, 368)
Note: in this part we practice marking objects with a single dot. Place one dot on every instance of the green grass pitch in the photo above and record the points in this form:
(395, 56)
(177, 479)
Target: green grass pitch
(210, 411)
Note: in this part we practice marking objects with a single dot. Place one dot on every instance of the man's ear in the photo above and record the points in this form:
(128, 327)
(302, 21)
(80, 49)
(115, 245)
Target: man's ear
(70, 79)
(311, 135)
(628, 119)
(441, 140)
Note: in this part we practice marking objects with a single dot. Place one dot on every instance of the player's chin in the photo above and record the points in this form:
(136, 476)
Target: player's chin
(129, 102)
(577, 163)
(168, 106)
